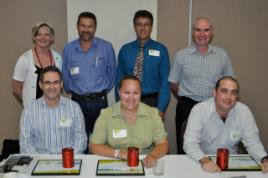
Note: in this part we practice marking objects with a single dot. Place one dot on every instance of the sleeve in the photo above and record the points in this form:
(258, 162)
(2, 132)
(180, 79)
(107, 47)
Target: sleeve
(100, 132)
(159, 129)
(250, 136)
(192, 135)
(65, 69)
(80, 142)
(175, 71)
(27, 145)
(228, 69)
(120, 72)
(164, 92)
(21, 68)
(111, 67)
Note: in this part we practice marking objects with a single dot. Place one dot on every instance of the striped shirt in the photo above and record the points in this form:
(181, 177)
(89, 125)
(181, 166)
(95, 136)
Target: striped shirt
(46, 130)
(197, 74)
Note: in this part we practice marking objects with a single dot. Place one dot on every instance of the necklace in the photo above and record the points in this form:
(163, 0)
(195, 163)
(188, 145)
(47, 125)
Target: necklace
(50, 58)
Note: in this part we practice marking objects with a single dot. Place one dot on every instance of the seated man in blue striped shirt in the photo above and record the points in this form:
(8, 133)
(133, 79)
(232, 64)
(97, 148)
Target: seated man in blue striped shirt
(52, 122)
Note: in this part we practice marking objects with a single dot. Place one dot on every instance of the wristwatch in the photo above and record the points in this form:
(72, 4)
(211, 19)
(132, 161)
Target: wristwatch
(116, 153)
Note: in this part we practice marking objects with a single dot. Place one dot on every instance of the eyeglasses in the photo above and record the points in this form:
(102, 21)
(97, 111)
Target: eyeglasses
(56, 82)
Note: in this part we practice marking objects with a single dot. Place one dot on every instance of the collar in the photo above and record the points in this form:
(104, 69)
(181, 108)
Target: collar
(214, 112)
(117, 110)
(193, 49)
(137, 43)
(77, 43)
(60, 103)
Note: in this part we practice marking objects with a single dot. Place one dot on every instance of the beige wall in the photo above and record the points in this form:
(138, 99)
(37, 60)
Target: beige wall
(17, 19)
(172, 31)
(240, 27)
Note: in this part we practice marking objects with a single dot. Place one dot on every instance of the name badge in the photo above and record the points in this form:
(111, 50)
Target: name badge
(234, 136)
(154, 52)
(119, 133)
(64, 122)
(74, 70)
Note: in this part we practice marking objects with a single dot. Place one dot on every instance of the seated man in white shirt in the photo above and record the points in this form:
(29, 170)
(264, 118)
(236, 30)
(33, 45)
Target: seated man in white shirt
(221, 122)
(52, 122)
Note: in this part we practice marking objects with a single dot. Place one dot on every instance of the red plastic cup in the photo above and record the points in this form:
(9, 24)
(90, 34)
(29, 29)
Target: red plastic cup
(133, 156)
(222, 158)
(68, 157)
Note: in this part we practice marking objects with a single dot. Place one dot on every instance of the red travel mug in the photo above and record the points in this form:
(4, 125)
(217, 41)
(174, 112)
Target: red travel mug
(222, 158)
(133, 156)
(68, 157)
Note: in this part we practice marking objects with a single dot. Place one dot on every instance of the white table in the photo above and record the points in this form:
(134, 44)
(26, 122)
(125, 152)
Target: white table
(176, 166)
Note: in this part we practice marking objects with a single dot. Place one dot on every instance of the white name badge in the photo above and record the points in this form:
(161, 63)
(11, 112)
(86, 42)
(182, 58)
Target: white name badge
(234, 135)
(74, 70)
(64, 122)
(119, 133)
(154, 52)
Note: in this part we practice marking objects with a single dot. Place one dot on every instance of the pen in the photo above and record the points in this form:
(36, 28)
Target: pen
(97, 61)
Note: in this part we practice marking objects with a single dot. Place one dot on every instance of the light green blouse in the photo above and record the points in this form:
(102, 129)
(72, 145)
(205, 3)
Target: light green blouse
(110, 128)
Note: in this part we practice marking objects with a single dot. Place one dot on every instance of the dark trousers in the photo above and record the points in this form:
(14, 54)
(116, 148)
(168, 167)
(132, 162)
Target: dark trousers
(184, 107)
(150, 99)
(91, 110)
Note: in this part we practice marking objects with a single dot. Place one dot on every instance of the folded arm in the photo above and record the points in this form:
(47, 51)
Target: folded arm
(27, 143)
(107, 151)
(208, 165)
(80, 141)
(160, 149)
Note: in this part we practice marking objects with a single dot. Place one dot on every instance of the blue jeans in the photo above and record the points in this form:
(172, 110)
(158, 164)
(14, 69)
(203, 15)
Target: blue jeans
(91, 110)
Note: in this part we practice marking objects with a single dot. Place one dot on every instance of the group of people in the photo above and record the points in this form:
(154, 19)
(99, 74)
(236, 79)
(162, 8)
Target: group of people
(201, 78)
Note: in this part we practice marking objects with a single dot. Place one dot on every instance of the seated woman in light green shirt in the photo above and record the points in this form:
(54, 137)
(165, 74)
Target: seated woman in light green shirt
(130, 123)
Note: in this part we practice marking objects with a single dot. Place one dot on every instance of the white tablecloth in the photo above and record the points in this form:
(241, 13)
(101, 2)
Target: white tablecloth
(176, 166)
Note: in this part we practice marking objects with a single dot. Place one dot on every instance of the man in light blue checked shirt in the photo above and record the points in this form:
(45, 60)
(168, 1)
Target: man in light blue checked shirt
(195, 71)
(52, 122)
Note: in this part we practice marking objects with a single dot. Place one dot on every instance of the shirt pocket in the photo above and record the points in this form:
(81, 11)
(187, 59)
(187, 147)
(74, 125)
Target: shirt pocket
(153, 61)
(100, 66)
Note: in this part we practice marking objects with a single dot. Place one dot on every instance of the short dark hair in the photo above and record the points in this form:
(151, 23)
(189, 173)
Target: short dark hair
(217, 86)
(89, 15)
(129, 77)
(145, 14)
(49, 69)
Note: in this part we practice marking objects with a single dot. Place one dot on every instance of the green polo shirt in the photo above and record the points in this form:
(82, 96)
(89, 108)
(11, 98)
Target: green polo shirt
(111, 129)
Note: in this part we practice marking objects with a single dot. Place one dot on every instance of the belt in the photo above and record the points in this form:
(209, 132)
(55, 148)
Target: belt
(89, 96)
(187, 99)
(150, 95)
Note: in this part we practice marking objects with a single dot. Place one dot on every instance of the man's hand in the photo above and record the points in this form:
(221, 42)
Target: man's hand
(264, 166)
(208, 165)
(162, 115)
